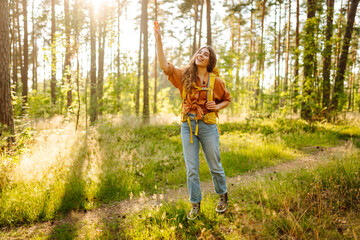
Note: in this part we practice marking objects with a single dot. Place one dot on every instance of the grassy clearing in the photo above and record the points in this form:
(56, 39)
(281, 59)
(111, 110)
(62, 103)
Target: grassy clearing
(323, 203)
(63, 170)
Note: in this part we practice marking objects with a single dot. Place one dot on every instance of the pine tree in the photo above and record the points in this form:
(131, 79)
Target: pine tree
(24, 73)
(309, 50)
(338, 98)
(144, 20)
(93, 82)
(53, 53)
(208, 21)
(6, 112)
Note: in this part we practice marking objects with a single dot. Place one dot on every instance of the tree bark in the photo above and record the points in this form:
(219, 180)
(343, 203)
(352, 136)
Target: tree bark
(67, 66)
(24, 74)
(118, 83)
(200, 27)
(93, 82)
(53, 53)
(339, 34)
(194, 47)
(208, 21)
(137, 100)
(352, 82)
(338, 98)
(144, 18)
(76, 39)
(155, 62)
(275, 102)
(285, 87)
(327, 54)
(102, 39)
(279, 54)
(251, 42)
(20, 56)
(238, 84)
(261, 58)
(14, 42)
(262, 62)
(6, 112)
(297, 54)
(34, 50)
(309, 44)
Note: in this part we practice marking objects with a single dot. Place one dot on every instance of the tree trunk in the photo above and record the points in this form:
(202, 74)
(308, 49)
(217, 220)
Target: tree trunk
(208, 21)
(232, 32)
(275, 102)
(309, 43)
(339, 34)
(34, 50)
(15, 51)
(251, 46)
(262, 62)
(352, 82)
(67, 66)
(144, 20)
(201, 18)
(338, 98)
(155, 63)
(297, 54)
(6, 112)
(76, 39)
(194, 47)
(102, 39)
(279, 55)
(76, 43)
(24, 74)
(93, 83)
(285, 87)
(118, 83)
(53, 53)
(327, 54)
(20, 56)
(137, 100)
(44, 70)
(261, 59)
(237, 79)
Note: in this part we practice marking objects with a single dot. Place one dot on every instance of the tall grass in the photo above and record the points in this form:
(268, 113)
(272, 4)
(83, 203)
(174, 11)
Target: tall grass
(62, 170)
(317, 204)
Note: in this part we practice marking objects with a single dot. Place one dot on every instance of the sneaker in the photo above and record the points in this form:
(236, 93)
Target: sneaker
(223, 203)
(195, 211)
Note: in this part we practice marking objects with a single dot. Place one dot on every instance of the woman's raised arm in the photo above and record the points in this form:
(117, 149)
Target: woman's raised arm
(164, 65)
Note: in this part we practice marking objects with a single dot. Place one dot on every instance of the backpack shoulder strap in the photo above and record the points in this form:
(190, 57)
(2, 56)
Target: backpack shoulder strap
(211, 83)
(183, 95)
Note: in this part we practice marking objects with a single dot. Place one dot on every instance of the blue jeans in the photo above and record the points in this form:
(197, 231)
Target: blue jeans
(208, 136)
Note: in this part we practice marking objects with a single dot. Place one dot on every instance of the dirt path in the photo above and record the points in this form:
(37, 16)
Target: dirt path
(315, 156)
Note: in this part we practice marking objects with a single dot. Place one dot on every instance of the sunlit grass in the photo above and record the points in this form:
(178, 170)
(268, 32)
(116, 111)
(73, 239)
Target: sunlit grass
(322, 203)
(243, 152)
(62, 170)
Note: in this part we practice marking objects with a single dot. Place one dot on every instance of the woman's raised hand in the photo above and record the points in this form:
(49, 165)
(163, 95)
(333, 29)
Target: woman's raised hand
(159, 48)
(157, 32)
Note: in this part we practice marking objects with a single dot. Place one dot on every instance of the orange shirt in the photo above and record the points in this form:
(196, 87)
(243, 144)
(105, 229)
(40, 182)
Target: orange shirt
(196, 100)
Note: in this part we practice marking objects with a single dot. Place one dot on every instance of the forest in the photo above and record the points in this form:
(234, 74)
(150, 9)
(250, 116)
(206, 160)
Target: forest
(90, 143)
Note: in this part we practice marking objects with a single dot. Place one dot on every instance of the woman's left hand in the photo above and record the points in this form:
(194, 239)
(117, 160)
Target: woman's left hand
(211, 106)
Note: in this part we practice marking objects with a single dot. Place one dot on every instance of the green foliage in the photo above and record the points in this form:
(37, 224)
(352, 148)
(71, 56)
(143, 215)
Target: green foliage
(10, 154)
(40, 106)
(115, 161)
(315, 202)
(318, 203)
(64, 231)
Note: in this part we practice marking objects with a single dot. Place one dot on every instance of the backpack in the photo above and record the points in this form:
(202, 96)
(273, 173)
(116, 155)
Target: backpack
(209, 118)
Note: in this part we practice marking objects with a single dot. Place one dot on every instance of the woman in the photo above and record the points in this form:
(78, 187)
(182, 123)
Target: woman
(195, 82)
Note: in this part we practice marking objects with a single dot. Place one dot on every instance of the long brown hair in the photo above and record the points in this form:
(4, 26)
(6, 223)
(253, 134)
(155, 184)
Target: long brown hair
(189, 75)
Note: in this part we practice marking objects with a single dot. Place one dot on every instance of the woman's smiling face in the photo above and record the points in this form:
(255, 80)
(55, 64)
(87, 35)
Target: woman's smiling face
(202, 57)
